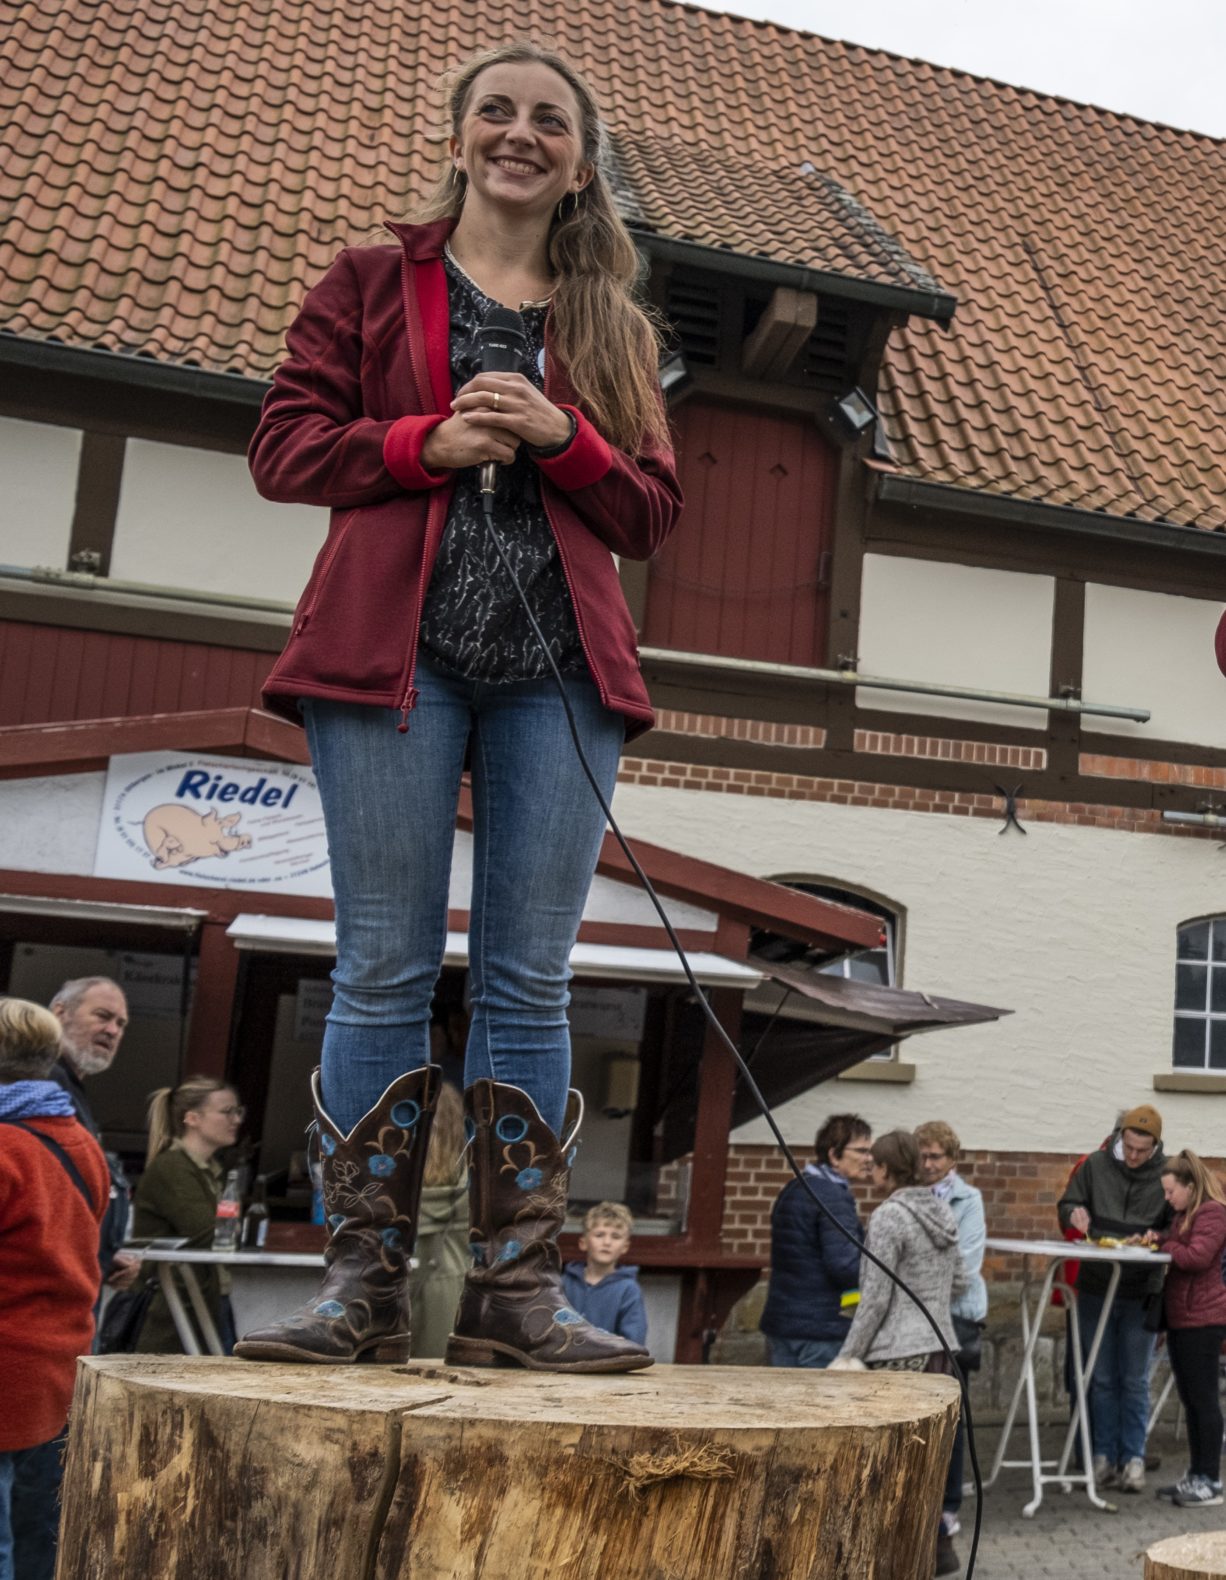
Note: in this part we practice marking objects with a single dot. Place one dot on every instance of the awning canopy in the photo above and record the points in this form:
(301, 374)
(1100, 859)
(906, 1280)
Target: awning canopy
(869, 1006)
(854, 1021)
(181, 918)
(609, 962)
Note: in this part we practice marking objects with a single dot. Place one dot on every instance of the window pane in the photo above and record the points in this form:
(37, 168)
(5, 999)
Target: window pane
(1194, 942)
(1217, 990)
(1219, 938)
(1190, 985)
(1217, 1045)
(875, 965)
(1189, 1052)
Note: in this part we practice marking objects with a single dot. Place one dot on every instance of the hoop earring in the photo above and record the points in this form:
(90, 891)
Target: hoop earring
(572, 211)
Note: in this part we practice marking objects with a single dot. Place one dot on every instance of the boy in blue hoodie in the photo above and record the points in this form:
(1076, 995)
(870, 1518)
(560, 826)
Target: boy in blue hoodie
(606, 1294)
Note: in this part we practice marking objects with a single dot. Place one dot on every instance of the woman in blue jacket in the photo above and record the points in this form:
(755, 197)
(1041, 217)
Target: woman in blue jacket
(813, 1265)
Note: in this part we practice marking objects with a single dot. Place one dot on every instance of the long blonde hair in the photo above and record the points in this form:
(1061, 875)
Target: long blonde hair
(1193, 1172)
(443, 1163)
(170, 1104)
(605, 340)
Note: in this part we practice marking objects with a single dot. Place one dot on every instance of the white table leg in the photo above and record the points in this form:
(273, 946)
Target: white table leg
(1082, 1376)
(1032, 1411)
(1025, 1381)
(178, 1311)
(204, 1316)
(1161, 1405)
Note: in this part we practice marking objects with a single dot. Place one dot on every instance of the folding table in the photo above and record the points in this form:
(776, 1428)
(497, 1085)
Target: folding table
(1056, 1253)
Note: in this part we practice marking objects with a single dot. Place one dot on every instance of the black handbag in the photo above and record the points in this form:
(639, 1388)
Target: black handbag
(122, 1321)
(970, 1343)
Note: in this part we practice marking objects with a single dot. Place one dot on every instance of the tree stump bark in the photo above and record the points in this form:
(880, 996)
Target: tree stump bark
(209, 1469)
(1198, 1557)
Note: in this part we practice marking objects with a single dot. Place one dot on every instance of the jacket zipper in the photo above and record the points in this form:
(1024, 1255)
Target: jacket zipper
(303, 619)
(412, 323)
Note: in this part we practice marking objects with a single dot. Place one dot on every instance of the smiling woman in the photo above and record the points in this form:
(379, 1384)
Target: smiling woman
(418, 613)
(526, 144)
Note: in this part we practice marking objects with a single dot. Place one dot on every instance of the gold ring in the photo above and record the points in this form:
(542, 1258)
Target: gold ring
(496, 397)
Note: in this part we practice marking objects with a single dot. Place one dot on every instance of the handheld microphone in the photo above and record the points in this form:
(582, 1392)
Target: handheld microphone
(504, 346)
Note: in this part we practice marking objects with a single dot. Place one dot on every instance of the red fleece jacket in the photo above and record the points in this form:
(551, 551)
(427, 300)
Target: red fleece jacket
(48, 1275)
(367, 377)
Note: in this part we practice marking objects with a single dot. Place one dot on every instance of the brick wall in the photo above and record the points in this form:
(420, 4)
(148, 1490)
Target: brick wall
(990, 754)
(1020, 1192)
(904, 798)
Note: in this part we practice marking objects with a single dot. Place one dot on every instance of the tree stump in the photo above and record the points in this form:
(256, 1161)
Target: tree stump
(211, 1469)
(1198, 1557)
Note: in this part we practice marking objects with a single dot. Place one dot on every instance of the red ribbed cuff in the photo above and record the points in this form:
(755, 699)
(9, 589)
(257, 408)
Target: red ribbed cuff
(402, 452)
(584, 461)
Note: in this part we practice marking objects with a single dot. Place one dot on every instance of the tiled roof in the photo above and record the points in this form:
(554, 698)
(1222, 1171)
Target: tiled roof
(175, 173)
(792, 215)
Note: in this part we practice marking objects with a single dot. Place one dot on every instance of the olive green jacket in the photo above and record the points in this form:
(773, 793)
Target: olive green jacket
(443, 1258)
(177, 1198)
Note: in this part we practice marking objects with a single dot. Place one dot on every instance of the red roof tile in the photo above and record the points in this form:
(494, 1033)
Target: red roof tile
(175, 174)
(794, 215)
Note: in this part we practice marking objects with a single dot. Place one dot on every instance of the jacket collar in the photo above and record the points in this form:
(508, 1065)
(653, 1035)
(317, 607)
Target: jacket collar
(422, 242)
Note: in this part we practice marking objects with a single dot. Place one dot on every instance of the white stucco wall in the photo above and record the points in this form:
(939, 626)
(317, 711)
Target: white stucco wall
(955, 625)
(192, 518)
(1072, 928)
(38, 463)
(1154, 650)
(50, 824)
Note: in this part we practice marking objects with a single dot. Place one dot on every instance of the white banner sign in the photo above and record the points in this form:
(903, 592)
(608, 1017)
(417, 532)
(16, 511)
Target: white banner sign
(221, 822)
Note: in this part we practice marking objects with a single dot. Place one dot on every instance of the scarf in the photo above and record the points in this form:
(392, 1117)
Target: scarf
(824, 1171)
(945, 1187)
(34, 1100)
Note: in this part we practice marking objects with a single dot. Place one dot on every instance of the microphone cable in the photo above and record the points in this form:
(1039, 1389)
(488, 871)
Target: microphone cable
(487, 503)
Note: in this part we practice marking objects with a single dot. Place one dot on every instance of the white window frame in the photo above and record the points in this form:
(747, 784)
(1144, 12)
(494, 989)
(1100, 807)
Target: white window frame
(1207, 1016)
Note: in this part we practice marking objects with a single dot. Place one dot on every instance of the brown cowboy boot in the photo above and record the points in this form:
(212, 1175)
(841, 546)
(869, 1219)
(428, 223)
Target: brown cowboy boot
(371, 1190)
(513, 1311)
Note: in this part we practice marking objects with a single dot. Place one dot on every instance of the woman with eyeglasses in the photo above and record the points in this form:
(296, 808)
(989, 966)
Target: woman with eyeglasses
(178, 1193)
(815, 1269)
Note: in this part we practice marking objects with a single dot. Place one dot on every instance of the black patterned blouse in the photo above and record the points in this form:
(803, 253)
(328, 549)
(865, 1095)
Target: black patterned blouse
(473, 622)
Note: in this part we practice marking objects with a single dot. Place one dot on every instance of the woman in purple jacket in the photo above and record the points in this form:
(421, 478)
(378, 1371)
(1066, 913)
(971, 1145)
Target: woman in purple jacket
(411, 660)
(1195, 1309)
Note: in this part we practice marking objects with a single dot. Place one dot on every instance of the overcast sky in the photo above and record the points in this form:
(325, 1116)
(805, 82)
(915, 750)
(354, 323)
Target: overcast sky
(1161, 60)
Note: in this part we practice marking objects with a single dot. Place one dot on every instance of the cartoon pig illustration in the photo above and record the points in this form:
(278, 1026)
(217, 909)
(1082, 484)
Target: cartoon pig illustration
(177, 836)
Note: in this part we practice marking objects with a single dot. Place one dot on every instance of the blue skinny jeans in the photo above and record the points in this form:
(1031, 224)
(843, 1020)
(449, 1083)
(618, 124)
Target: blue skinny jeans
(389, 802)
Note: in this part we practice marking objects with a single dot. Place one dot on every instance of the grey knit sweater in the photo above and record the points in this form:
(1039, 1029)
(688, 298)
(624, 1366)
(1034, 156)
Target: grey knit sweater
(914, 1234)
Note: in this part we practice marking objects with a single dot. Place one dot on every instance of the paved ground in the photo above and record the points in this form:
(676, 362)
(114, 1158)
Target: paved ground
(1068, 1539)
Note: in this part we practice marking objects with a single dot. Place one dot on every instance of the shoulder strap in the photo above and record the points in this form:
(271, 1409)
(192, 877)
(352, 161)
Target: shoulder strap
(69, 1167)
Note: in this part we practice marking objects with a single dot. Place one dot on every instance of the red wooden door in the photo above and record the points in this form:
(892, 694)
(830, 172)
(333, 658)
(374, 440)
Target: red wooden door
(741, 575)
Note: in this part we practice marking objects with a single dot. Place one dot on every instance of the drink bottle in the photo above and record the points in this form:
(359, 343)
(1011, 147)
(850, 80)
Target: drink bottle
(255, 1222)
(225, 1225)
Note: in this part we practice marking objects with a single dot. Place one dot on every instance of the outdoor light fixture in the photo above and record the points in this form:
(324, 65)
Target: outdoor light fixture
(675, 376)
(856, 412)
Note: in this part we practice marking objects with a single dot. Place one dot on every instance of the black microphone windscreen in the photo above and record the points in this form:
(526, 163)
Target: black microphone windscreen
(504, 341)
